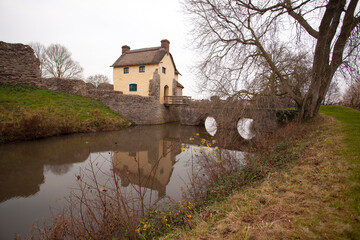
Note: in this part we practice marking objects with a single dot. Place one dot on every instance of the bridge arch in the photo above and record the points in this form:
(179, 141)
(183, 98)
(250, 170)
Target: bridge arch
(200, 119)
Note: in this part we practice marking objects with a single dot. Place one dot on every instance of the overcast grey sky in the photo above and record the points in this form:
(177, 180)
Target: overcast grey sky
(94, 30)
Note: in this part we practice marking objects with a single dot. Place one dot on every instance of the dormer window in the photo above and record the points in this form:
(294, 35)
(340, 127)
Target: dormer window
(163, 70)
(142, 69)
(126, 70)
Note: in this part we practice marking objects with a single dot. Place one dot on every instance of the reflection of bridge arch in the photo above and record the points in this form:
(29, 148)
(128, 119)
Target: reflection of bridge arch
(247, 132)
(211, 125)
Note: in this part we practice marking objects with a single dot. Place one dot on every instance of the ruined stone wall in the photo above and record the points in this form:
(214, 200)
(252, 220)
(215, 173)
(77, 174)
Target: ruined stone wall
(17, 61)
(77, 87)
(105, 86)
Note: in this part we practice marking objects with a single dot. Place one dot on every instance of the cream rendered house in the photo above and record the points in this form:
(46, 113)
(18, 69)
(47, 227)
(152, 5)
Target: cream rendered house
(147, 72)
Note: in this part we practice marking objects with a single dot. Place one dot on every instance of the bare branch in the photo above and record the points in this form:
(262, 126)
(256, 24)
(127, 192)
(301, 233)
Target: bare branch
(300, 19)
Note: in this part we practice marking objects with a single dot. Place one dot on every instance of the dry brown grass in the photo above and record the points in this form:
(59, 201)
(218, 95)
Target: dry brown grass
(307, 201)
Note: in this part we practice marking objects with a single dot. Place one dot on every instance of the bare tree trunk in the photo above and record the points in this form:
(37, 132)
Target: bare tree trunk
(326, 60)
(315, 96)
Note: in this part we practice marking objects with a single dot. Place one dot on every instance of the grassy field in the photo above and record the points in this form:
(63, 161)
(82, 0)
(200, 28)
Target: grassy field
(29, 113)
(314, 196)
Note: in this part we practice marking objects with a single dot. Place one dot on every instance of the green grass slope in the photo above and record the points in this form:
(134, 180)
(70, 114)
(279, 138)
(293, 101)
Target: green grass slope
(29, 113)
(350, 121)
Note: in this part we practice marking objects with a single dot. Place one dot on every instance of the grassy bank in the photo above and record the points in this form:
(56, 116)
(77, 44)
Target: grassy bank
(29, 113)
(312, 192)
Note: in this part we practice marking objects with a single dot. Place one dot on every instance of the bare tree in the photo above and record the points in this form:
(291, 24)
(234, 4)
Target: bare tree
(39, 50)
(333, 94)
(351, 97)
(238, 36)
(59, 64)
(56, 61)
(98, 79)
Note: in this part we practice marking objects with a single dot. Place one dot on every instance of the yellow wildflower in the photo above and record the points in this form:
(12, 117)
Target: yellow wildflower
(216, 147)
(197, 134)
(213, 141)
(191, 139)
(182, 149)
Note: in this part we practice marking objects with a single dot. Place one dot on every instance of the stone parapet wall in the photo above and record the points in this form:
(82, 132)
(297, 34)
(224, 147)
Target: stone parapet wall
(77, 87)
(17, 61)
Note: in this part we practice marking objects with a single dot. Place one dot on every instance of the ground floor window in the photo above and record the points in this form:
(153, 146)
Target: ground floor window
(133, 87)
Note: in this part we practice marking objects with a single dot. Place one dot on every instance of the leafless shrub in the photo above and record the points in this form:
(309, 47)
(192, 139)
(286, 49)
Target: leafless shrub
(351, 97)
(97, 79)
(211, 165)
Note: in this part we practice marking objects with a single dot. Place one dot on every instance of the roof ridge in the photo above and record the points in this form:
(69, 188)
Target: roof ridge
(143, 49)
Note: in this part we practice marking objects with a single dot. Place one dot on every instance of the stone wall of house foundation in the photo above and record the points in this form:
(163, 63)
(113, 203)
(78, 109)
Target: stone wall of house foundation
(141, 110)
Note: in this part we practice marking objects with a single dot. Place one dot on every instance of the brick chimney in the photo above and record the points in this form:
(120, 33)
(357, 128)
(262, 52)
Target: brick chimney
(125, 48)
(165, 44)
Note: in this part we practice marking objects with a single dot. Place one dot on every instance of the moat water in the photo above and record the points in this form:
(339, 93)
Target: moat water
(37, 176)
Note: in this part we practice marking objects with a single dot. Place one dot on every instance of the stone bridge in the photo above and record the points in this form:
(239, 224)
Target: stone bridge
(227, 117)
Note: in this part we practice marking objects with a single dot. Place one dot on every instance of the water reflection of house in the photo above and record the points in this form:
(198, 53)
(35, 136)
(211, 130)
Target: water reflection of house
(151, 168)
(22, 165)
